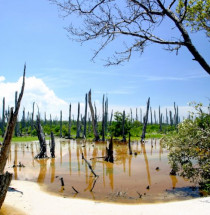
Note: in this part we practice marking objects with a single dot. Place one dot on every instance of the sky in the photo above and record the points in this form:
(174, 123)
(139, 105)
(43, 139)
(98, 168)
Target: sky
(60, 71)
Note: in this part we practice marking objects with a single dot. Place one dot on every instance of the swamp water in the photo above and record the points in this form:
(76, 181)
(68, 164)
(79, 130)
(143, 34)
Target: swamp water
(139, 178)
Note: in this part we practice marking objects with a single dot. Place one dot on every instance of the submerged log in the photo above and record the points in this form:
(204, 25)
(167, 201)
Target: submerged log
(42, 141)
(52, 145)
(109, 153)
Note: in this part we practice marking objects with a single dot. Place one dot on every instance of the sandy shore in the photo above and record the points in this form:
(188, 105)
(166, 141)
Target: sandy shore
(31, 200)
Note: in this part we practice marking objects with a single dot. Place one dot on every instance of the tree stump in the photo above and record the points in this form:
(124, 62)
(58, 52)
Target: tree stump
(5, 180)
(109, 152)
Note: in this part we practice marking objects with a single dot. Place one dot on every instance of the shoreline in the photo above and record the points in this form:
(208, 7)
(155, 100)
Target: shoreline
(30, 199)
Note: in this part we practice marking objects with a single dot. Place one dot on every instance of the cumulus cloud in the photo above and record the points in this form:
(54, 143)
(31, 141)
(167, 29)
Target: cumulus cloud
(2, 78)
(37, 91)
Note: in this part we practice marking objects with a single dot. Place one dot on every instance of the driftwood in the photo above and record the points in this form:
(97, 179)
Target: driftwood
(42, 141)
(5, 179)
(52, 145)
(109, 153)
(89, 165)
(145, 121)
(93, 117)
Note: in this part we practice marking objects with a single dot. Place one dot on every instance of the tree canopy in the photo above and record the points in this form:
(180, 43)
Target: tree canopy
(138, 20)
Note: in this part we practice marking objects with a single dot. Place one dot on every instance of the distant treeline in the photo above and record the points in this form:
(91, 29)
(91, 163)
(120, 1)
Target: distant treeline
(90, 124)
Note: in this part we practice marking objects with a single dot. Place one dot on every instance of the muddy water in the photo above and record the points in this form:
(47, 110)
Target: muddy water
(130, 179)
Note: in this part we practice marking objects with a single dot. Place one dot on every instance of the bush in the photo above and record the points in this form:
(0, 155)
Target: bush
(189, 148)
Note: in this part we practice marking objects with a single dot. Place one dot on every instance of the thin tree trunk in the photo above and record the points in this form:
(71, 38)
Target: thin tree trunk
(3, 116)
(85, 117)
(103, 119)
(32, 119)
(123, 127)
(61, 123)
(69, 125)
(145, 121)
(78, 125)
(52, 145)
(93, 118)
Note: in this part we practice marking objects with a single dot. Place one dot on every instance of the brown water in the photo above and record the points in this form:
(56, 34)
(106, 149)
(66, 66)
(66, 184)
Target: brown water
(124, 181)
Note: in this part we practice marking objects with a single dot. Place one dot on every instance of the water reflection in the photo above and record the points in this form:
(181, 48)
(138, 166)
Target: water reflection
(129, 173)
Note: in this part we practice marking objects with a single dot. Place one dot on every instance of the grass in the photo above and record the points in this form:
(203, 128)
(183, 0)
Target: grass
(23, 139)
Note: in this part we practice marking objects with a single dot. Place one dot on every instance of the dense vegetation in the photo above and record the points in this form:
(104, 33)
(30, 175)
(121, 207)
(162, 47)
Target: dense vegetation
(113, 128)
(189, 148)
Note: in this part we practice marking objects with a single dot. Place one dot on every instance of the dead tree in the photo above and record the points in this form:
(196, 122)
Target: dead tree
(106, 115)
(85, 117)
(160, 120)
(3, 116)
(16, 126)
(110, 122)
(5, 178)
(42, 141)
(103, 121)
(123, 127)
(129, 144)
(69, 125)
(78, 124)
(93, 117)
(145, 121)
(109, 152)
(52, 145)
(61, 123)
(151, 114)
(32, 119)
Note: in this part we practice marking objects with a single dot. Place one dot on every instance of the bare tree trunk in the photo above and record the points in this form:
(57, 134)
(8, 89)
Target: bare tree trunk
(5, 180)
(61, 123)
(123, 127)
(151, 114)
(78, 125)
(145, 121)
(32, 119)
(42, 141)
(103, 121)
(85, 118)
(129, 144)
(93, 118)
(3, 116)
(110, 122)
(4, 153)
(52, 145)
(109, 152)
(69, 125)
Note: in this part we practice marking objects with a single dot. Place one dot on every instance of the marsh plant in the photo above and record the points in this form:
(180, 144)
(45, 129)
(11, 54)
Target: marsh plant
(189, 149)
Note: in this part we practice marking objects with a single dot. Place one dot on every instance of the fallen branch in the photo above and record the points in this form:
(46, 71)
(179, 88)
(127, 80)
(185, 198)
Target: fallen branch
(75, 190)
(90, 167)
(94, 184)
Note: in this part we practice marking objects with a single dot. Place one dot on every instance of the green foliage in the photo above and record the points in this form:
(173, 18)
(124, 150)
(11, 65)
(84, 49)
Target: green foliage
(197, 14)
(189, 148)
(116, 128)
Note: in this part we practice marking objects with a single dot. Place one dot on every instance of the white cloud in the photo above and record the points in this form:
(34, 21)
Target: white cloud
(37, 91)
(2, 78)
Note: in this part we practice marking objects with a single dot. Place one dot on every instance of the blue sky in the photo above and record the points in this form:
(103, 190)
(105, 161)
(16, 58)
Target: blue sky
(33, 32)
